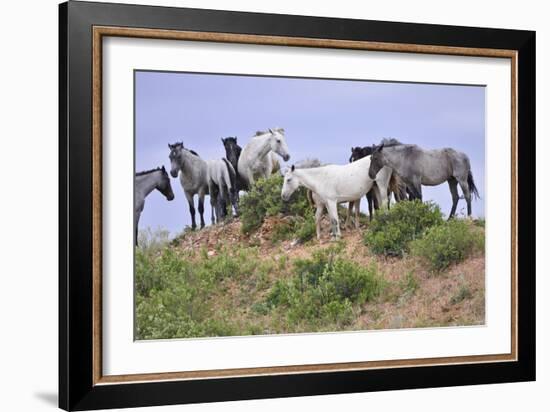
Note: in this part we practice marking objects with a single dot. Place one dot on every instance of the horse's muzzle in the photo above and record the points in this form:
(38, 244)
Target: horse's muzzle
(173, 173)
(286, 158)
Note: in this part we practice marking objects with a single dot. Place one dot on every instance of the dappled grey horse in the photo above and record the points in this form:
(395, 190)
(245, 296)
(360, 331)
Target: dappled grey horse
(145, 183)
(418, 167)
(193, 177)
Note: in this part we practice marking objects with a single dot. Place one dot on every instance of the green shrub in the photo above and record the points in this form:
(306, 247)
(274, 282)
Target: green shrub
(176, 292)
(306, 230)
(462, 294)
(301, 228)
(264, 199)
(324, 289)
(391, 230)
(449, 243)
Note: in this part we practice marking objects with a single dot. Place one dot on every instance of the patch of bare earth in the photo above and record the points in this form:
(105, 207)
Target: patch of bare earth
(413, 297)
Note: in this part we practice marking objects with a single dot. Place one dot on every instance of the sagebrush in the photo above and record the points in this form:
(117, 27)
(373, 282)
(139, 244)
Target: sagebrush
(391, 230)
(449, 243)
(264, 199)
(324, 289)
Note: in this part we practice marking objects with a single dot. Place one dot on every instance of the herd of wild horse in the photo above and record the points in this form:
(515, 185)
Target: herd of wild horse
(377, 171)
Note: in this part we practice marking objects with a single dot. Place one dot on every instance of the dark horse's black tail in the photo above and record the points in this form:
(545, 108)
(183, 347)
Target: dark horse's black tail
(472, 185)
(232, 174)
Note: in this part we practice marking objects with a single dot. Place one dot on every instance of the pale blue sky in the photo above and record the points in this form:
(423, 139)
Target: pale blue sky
(322, 119)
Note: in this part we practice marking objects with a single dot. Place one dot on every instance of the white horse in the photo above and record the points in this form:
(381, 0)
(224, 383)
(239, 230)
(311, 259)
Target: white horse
(331, 185)
(258, 158)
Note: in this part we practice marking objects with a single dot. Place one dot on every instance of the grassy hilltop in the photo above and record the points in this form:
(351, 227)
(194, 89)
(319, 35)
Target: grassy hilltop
(264, 273)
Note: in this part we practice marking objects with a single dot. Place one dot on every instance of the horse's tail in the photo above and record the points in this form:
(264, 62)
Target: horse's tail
(472, 185)
(231, 178)
(397, 187)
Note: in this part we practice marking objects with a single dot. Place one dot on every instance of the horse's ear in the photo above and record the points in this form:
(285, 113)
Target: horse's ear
(292, 168)
(169, 146)
(223, 140)
(163, 169)
(271, 130)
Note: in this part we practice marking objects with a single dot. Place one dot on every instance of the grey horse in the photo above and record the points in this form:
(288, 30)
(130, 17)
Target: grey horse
(198, 176)
(418, 167)
(193, 177)
(145, 183)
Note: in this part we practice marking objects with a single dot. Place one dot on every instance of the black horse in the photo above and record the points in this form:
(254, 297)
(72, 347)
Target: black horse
(356, 154)
(232, 153)
(397, 186)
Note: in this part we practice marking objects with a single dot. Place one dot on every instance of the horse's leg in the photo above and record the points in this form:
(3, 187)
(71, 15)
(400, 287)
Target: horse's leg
(332, 208)
(221, 203)
(454, 193)
(384, 201)
(191, 209)
(250, 178)
(369, 201)
(376, 196)
(467, 195)
(357, 208)
(201, 208)
(417, 189)
(318, 216)
(234, 195)
(351, 205)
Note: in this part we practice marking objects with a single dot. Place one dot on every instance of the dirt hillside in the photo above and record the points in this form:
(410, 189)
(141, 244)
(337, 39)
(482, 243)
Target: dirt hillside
(414, 296)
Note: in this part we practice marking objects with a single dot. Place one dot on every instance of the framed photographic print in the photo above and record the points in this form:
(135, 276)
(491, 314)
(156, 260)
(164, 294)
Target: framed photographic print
(256, 205)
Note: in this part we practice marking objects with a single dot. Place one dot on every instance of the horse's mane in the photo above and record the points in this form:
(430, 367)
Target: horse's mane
(275, 129)
(146, 172)
(390, 141)
(308, 163)
(180, 144)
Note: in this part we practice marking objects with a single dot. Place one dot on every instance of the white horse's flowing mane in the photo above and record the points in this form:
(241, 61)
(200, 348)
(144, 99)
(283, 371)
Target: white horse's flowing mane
(275, 129)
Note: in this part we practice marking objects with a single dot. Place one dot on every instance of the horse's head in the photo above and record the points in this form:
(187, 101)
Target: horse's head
(232, 149)
(164, 186)
(175, 158)
(290, 184)
(377, 161)
(278, 143)
(359, 153)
